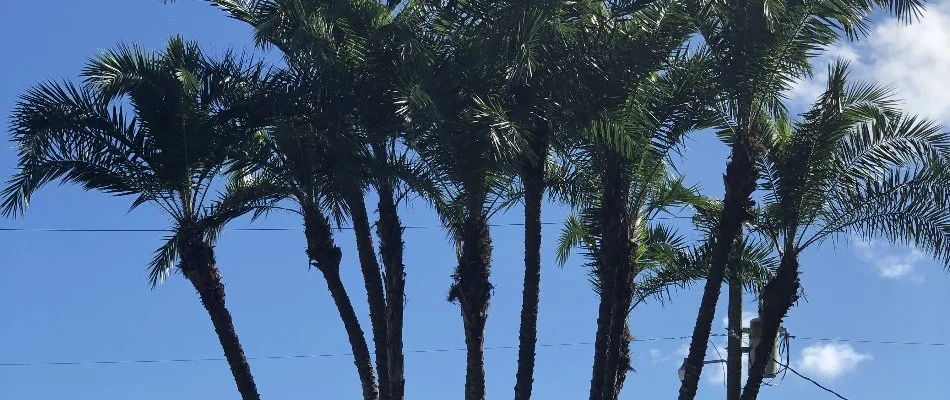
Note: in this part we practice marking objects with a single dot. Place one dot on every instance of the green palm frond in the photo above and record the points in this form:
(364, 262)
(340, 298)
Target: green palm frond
(678, 268)
(902, 206)
(854, 163)
(255, 192)
(69, 133)
(166, 147)
(163, 262)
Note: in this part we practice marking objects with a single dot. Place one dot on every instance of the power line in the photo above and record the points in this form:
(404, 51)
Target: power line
(303, 356)
(810, 380)
(420, 351)
(98, 230)
(278, 357)
(870, 341)
(153, 230)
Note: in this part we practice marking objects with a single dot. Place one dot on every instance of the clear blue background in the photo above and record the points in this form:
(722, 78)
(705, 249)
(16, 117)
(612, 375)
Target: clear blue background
(84, 297)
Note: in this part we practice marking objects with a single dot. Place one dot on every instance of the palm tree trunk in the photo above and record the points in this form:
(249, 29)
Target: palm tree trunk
(389, 230)
(600, 346)
(326, 256)
(198, 265)
(374, 292)
(778, 296)
(361, 357)
(623, 297)
(624, 365)
(740, 179)
(734, 355)
(472, 290)
(616, 286)
(528, 333)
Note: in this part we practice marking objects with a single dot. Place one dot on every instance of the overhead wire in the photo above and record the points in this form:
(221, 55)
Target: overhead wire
(787, 367)
(279, 229)
(329, 355)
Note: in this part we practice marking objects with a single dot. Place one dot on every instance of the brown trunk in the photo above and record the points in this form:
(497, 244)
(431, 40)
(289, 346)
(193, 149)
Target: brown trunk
(326, 256)
(528, 333)
(472, 290)
(618, 361)
(600, 347)
(616, 286)
(198, 265)
(374, 292)
(624, 366)
(389, 229)
(615, 367)
(741, 175)
(778, 296)
(734, 357)
(361, 357)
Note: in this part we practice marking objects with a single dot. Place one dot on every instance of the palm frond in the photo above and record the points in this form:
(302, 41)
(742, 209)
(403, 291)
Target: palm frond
(160, 268)
(64, 132)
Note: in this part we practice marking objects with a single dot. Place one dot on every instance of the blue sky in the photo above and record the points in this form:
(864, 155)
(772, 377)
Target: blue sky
(84, 297)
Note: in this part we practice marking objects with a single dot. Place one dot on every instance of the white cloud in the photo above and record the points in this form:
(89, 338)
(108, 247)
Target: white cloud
(682, 350)
(899, 263)
(806, 91)
(716, 373)
(913, 59)
(658, 356)
(830, 360)
(910, 58)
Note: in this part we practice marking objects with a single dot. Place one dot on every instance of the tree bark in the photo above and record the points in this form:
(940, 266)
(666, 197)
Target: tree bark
(624, 365)
(198, 265)
(326, 256)
(528, 333)
(602, 336)
(778, 296)
(619, 341)
(472, 290)
(374, 292)
(389, 230)
(734, 355)
(616, 286)
(740, 179)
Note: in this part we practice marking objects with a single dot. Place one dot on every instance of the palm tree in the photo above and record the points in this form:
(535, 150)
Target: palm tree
(626, 111)
(761, 46)
(531, 41)
(752, 261)
(852, 165)
(166, 153)
(304, 152)
(619, 172)
(360, 51)
(460, 123)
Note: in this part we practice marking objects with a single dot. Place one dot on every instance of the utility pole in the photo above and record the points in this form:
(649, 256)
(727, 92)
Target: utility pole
(734, 349)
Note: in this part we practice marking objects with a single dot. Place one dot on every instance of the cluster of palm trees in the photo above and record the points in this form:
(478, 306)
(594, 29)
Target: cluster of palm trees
(475, 105)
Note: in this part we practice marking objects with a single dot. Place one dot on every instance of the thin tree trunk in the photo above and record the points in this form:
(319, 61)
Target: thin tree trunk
(778, 296)
(198, 265)
(600, 346)
(389, 229)
(361, 357)
(472, 290)
(734, 355)
(623, 297)
(528, 332)
(374, 292)
(615, 274)
(326, 256)
(740, 179)
(624, 365)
